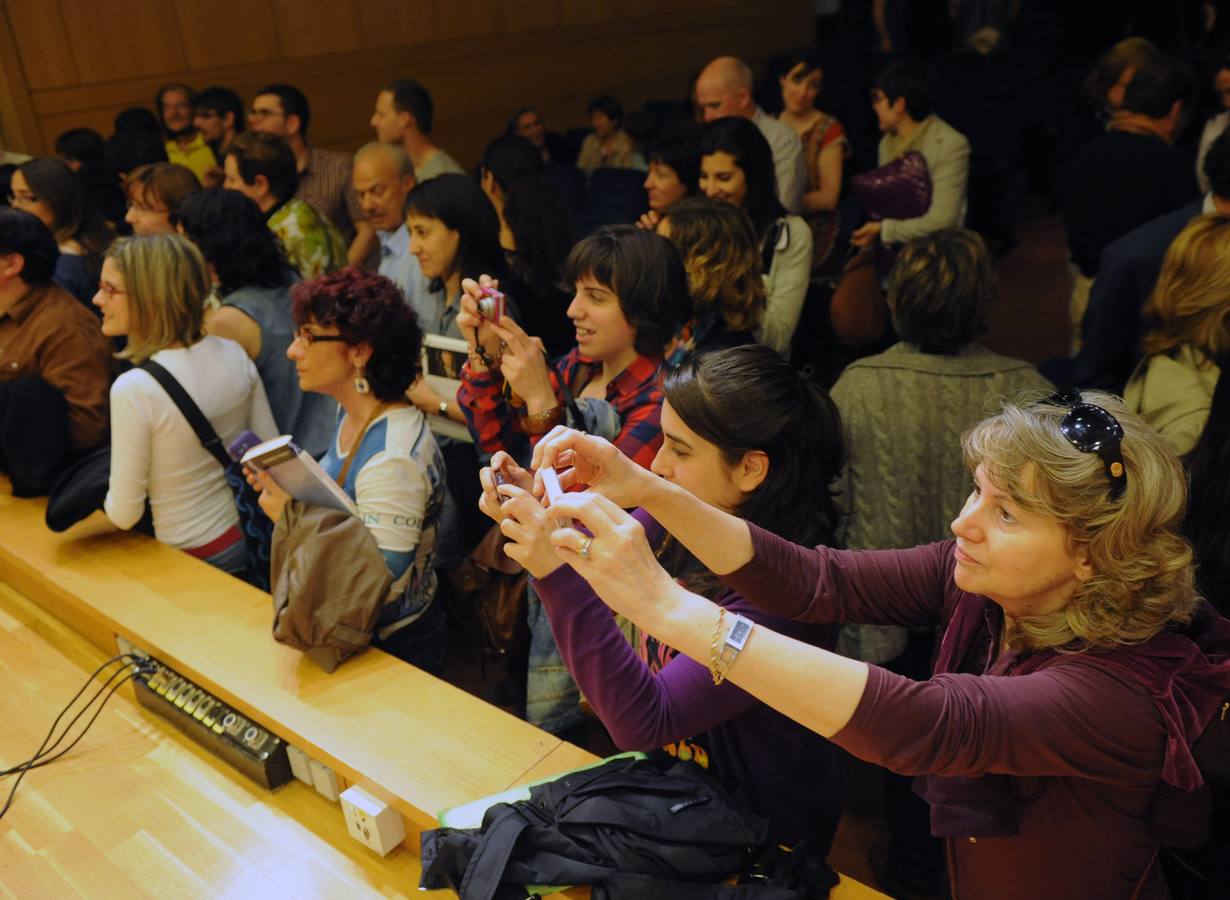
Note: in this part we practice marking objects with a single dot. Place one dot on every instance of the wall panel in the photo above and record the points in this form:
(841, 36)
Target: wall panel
(480, 58)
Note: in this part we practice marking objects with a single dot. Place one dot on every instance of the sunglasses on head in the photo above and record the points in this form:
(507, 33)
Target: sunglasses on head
(1091, 429)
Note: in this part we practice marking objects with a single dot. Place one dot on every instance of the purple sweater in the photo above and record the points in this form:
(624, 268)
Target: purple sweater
(1082, 744)
(790, 773)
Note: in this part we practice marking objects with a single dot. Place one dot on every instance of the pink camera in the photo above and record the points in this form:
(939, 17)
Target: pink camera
(491, 305)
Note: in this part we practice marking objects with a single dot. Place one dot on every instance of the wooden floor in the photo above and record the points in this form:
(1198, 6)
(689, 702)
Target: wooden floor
(136, 810)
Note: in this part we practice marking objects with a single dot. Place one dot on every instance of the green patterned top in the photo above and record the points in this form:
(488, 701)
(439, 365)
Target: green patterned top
(312, 244)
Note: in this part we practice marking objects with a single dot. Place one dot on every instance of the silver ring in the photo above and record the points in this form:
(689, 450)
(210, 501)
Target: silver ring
(583, 550)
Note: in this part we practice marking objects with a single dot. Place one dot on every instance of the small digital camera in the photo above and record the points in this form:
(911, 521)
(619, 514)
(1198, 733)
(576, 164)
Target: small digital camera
(491, 305)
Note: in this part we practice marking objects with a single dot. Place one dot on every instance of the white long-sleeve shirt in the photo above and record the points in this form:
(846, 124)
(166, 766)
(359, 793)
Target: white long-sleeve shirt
(156, 454)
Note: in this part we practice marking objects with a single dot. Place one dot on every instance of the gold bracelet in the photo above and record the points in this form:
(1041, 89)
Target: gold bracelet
(714, 672)
(724, 656)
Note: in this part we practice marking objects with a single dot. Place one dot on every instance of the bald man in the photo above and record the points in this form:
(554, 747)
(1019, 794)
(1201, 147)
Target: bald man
(724, 88)
(383, 177)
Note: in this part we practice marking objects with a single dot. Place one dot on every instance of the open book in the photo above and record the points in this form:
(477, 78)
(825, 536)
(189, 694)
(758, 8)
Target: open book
(298, 474)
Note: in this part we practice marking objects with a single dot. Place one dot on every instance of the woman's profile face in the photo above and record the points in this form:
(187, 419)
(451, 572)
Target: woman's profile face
(721, 178)
(1020, 560)
(112, 300)
(323, 366)
(800, 88)
(602, 331)
(694, 464)
(663, 186)
(434, 243)
(26, 200)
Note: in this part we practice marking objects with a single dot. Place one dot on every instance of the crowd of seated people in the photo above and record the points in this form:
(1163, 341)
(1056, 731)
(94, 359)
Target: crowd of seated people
(420, 330)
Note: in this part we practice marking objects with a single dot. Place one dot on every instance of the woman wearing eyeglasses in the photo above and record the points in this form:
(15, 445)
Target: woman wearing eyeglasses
(359, 343)
(1076, 663)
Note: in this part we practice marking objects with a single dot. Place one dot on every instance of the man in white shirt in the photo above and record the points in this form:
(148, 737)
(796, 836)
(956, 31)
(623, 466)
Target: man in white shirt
(383, 177)
(724, 88)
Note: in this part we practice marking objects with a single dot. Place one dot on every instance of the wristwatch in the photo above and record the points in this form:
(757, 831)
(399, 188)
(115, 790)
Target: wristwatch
(444, 408)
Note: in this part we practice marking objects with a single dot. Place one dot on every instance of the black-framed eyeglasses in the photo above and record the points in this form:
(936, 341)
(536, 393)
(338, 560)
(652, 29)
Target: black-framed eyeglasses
(1091, 429)
(308, 338)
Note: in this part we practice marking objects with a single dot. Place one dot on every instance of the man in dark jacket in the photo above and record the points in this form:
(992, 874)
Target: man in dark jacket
(54, 362)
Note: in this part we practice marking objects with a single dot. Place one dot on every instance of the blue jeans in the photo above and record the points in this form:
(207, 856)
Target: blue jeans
(234, 560)
(552, 698)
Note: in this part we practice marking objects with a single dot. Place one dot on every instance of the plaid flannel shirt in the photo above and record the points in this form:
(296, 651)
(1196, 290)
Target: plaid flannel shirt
(635, 393)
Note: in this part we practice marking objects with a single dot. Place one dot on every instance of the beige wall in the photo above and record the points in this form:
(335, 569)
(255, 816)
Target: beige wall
(69, 63)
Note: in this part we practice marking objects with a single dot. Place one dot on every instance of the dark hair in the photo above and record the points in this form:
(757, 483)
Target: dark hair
(128, 150)
(608, 105)
(261, 153)
(540, 222)
(83, 145)
(743, 140)
(646, 273)
(807, 57)
(86, 147)
(222, 100)
(231, 233)
(679, 148)
(6, 182)
(1205, 525)
(25, 234)
(1217, 165)
(74, 213)
(367, 309)
(462, 206)
(1158, 85)
(136, 119)
(294, 103)
(748, 398)
(940, 289)
(410, 96)
(913, 80)
(511, 127)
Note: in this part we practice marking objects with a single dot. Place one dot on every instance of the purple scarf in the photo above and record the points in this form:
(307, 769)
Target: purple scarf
(1188, 676)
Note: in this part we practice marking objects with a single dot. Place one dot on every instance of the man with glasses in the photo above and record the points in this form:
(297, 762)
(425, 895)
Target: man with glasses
(176, 106)
(55, 364)
(324, 176)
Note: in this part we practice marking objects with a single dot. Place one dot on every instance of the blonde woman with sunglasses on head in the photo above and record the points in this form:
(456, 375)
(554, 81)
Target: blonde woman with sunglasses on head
(1076, 663)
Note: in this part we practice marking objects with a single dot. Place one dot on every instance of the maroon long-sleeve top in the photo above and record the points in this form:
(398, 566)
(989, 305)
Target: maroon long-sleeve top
(1073, 750)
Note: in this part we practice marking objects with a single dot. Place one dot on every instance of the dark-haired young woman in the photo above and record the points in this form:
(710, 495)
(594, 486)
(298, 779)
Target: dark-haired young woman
(253, 282)
(535, 235)
(631, 297)
(745, 433)
(455, 234)
(674, 170)
(50, 190)
(736, 166)
(359, 343)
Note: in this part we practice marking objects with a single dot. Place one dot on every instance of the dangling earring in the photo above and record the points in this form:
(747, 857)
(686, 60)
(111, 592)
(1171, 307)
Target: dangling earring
(360, 383)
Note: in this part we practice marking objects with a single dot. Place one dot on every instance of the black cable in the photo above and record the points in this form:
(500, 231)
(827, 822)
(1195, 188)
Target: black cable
(43, 748)
(27, 768)
(43, 753)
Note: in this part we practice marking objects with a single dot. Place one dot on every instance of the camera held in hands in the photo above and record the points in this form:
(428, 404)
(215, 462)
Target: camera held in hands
(491, 305)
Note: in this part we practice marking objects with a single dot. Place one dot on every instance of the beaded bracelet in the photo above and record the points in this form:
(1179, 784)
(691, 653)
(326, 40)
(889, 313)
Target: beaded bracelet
(542, 422)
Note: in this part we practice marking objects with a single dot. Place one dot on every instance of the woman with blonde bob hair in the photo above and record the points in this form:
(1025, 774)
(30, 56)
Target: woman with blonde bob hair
(722, 261)
(1188, 315)
(1076, 664)
(152, 291)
